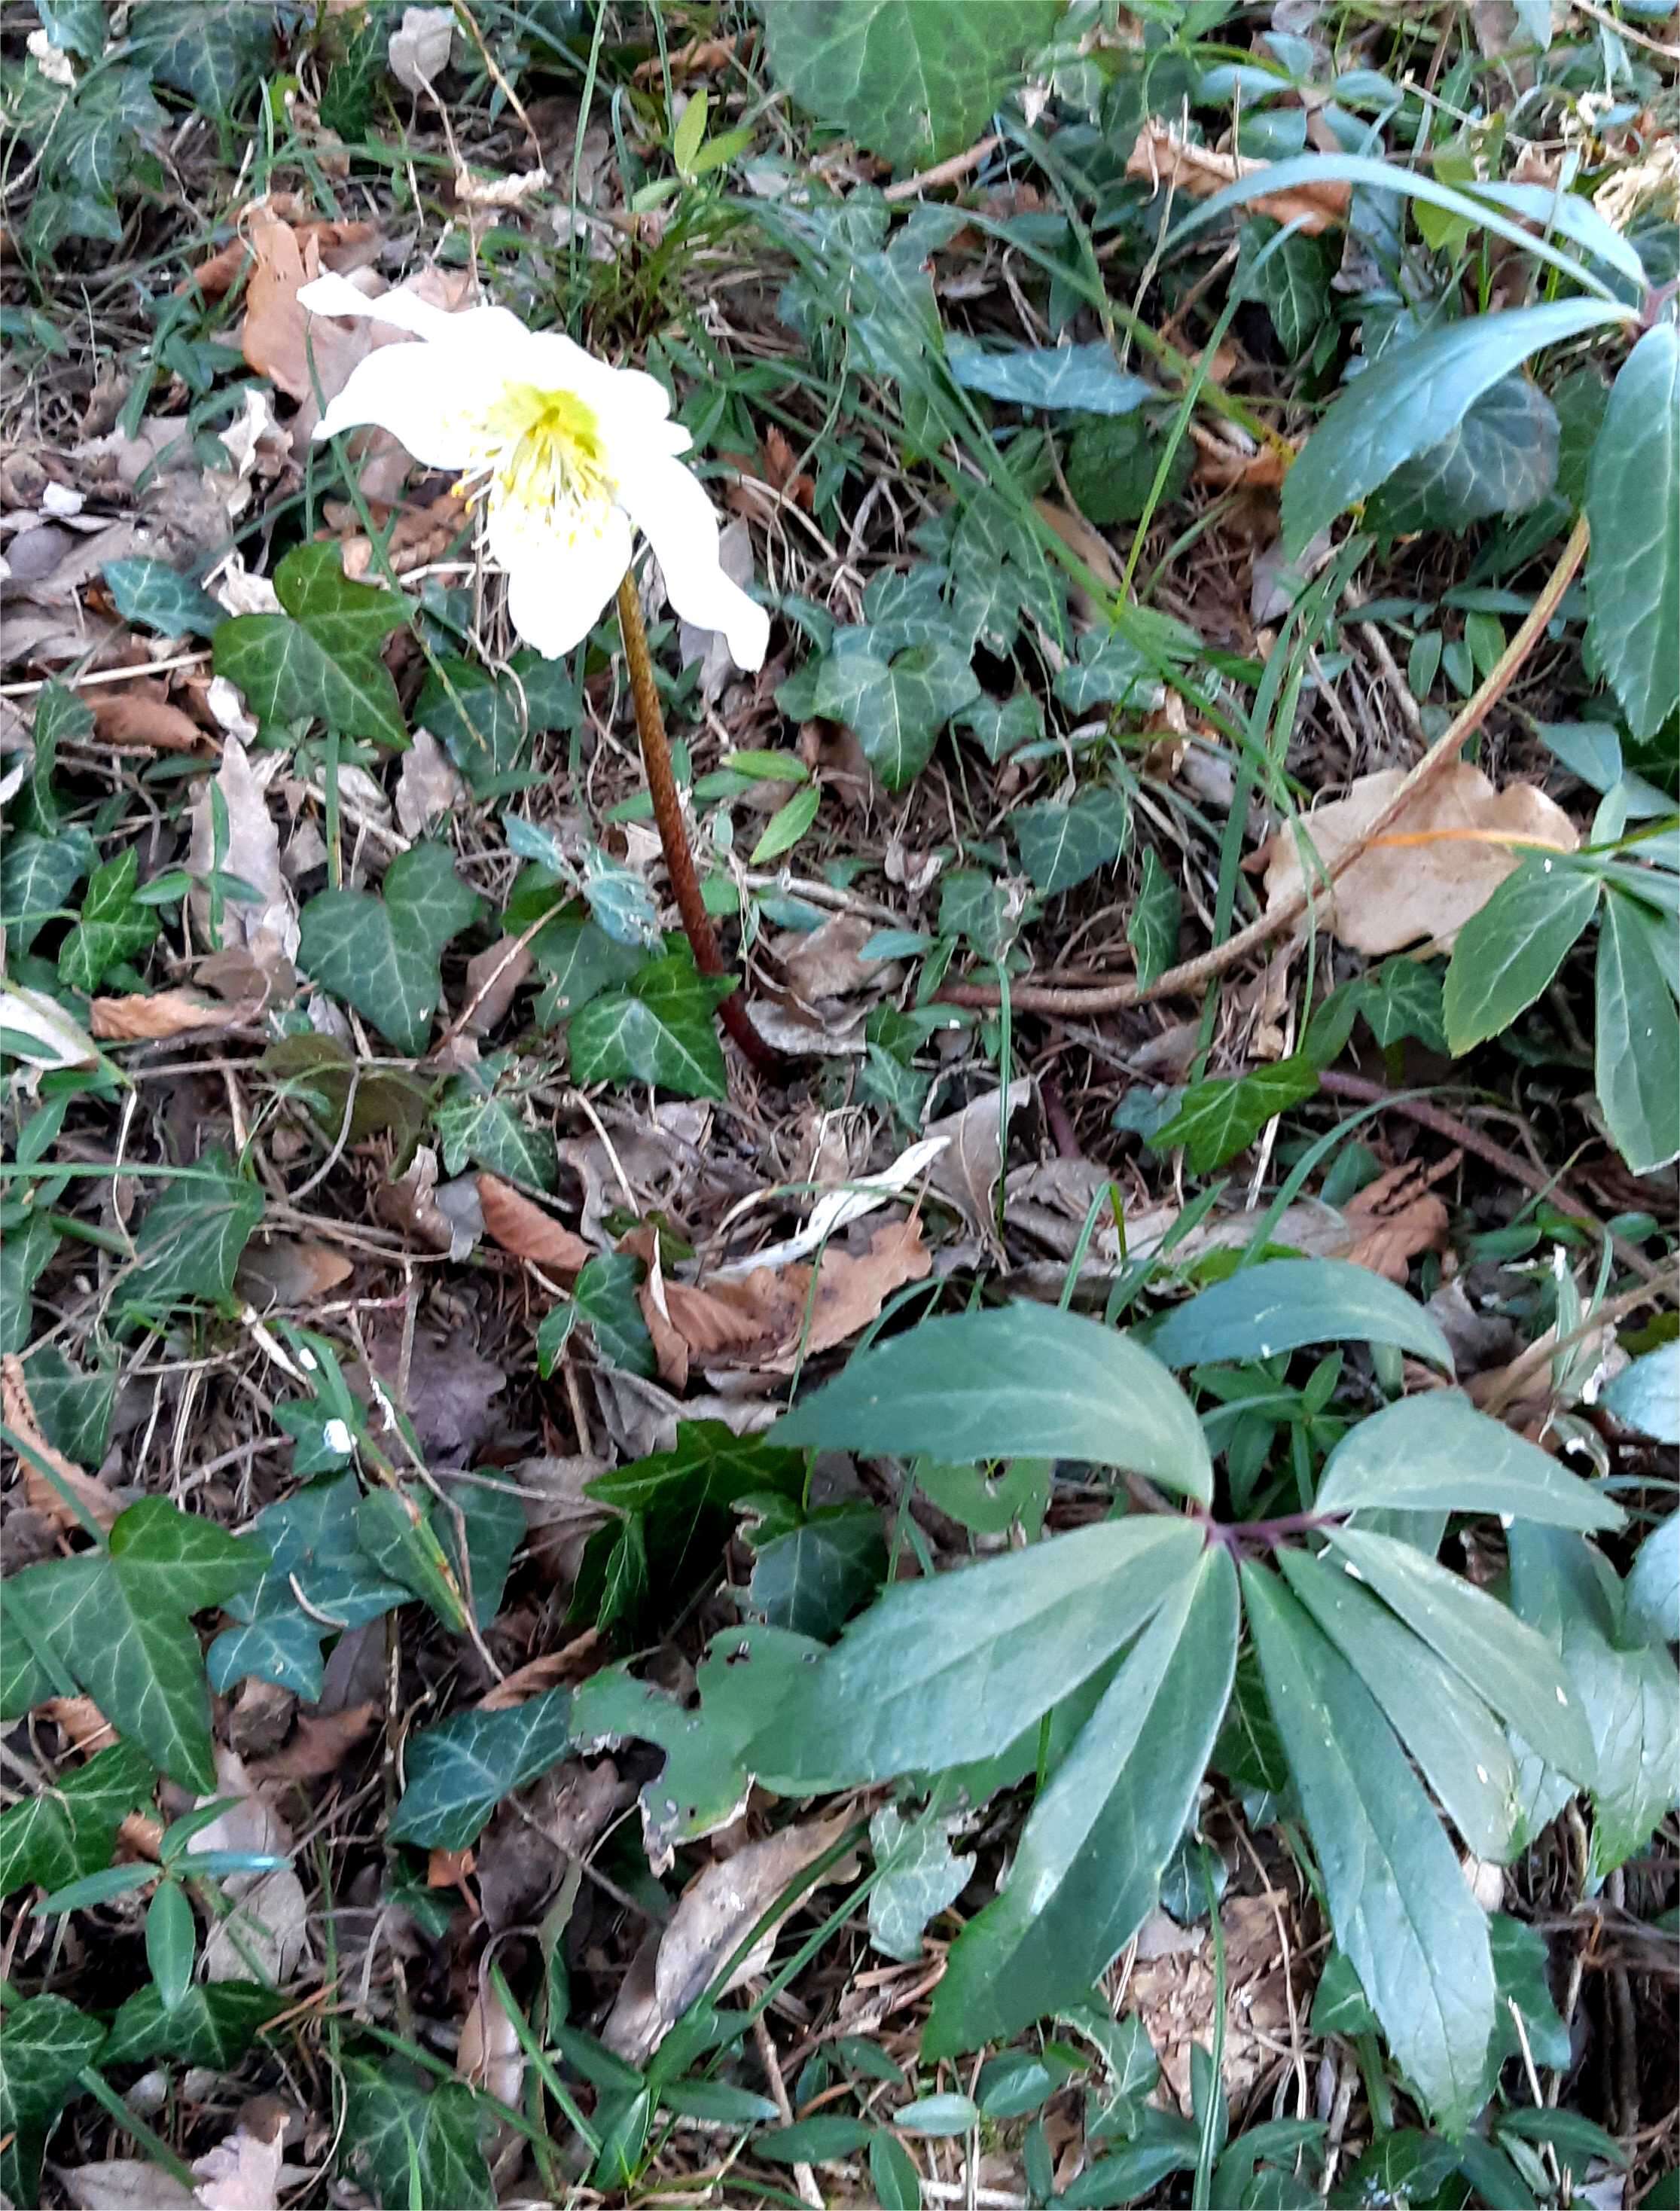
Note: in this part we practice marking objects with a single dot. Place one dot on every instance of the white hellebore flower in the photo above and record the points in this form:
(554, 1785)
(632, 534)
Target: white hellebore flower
(566, 455)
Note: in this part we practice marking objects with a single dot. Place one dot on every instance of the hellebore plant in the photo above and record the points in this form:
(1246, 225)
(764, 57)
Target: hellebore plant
(566, 460)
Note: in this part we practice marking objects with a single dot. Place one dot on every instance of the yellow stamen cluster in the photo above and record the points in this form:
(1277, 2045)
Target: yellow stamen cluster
(544, 455)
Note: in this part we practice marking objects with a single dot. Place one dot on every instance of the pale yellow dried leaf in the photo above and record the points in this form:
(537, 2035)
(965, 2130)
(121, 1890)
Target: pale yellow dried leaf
(1165, 158)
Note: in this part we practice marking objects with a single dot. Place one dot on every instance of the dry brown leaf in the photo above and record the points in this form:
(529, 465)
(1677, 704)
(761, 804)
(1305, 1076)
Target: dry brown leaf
(82, 1722)
(451, 1869)
(267, 929)
(489, 2054)
(320, 1743)
(164, 1013)
(239, 2174)
(717, 1910)
(826, 962)
(269, 1923)
(340, 245)
(493, 977)
(967, 1168)
(850, 1293)
(427, 786)
(1434, 867)
(1161, 157)
(124, 2183)
(1398, 1216)
(421, 534)
(143, 717)
(670, 1346)
(290, 1271)
(521, 1226)
(572, 1662)
(43, 1492)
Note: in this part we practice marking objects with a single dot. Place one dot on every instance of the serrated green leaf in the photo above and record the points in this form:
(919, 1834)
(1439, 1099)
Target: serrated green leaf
(912, 79)
(1063, 845)
(1436, 1453)
(1637, 1057)
(1089, 1864)
(381, 954)
(1412, 398)
(1286, 1303)
(1508, 1665)
(1401, 1908)
(70, 1829)
(1633, 503)
(940, 1672)
(1023, 1381)
(1460, 1747)
(113, 928)
(37, 875)
(1506, 953)
(659, 1028)
(151, 592)
(1501, 458)
(188, 1244)
(458, 1772)
(1218, 1118)
(214, 2024)
(896, 705)
(1152, 927)
(44, 2044)
(1087, 377)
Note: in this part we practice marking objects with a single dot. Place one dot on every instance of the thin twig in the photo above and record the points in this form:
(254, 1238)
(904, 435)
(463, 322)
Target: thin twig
(950, 172)
(1191, 974)
(673, 837)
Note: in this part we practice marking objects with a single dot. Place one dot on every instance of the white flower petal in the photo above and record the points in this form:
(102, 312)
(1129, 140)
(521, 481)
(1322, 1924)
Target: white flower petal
(553, 362)
(669, 506)
(556, 590)
(429, 398)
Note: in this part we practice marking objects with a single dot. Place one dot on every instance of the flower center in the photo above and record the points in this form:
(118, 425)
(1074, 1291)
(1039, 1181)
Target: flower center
(544, 455)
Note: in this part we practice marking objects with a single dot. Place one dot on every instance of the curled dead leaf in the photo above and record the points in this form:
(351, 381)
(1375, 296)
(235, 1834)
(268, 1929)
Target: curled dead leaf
(1165, 158)
(163, 1014)
(521, 1226)
(143, 717)
(1435, 865)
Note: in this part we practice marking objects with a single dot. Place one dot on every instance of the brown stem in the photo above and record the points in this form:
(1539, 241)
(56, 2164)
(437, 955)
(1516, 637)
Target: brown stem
(673, 837)
(1113, 998)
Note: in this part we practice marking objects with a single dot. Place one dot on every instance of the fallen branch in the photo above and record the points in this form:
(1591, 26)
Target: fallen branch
(1080, 1002)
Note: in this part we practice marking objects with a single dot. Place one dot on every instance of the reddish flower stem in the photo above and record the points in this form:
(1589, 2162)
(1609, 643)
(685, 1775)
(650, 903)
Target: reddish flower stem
(673, 837)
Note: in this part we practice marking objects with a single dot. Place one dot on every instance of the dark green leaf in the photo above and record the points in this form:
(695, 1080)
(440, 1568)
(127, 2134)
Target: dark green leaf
(1222, 1116)
(661, 1028)
(1633, 503)
(1152, 927)
(211, 2025)
(190, 1242)
(310, 1539)
(402, 1543)
(1024, 1381)
(1087, 377)
(286, 676)
(1435, 1452)
(346, 619)
(416, 2148)
(225, 48)
(113, 926)
(1404, 2168)
(1063, 845)
(943, 1671)
(153, 593)
(1285, 1303)
(488, 1127)
(1403, 998)
(1110, 671)
(1638, 1053)
(1502, 458)
(458, 1772)
(1398, 1902)
(1110, 471)
(919, 1875)
(815, 2142)
(1506, 953)
(708, 1465)
(1292, 284)
(893, 2173)
(897, 704)
(1646, 1395)
(912, 79)
(24, 1253)
(381, 954)
(37, 875)
(74, 1409)
(814, 1578)
(605, 1296)
(1652, 1599)
(69, 1830)
(1089, 1865)
(1412, 398)
(44, 2044)
(172, 1938)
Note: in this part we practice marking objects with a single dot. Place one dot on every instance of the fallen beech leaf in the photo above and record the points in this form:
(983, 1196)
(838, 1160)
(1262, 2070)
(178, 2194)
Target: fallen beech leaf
(320, 1743)
(493, 976)
(1431, 869)
(850, 1293)
(760, 1319)
(424, 534)
(124, 2183)
(41, 1490)
(427, 786)
(717, 1910)
(971, 1159)
(521, 1226)
(290, 1271)
(570, 1663)
(826, 963)
(164, 1013)
(144, 716)
(670, 1346)
(341, 245)
(267, 929)
(1164, 159)
(1398, 1216)
(489, 2054)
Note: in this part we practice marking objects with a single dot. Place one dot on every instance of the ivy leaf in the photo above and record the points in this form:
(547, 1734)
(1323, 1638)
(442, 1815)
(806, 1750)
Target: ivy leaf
(1400, 1905)
(225, 48)
(1502, 458)
(320, 659)
(920, 1874)
(402, 1544)
(477, 1122)
(1063, 845)
(310, 1540)
(74, 1409)
(113, 926)
(381, 954)
(604, 1294)
(190, 1242)
(659, 1028)
(1001, 725)
(414, 2145)
(1218, 1118)
(24, 1253)
(1638, 1039)
(46, 2043)
(1090, 1861)
(1152, 927)
(484, 721)
(1087, 377)
(1403, 998)
(60, 717)
(157, 597)
(1633, 503)
(458, 1772)
(897, 705)
(346, 619)
(1110, 671)
(1413, 396)
(708, 1465)
(37, 875)
(213, 2025)
(70, 1830)
(1110, 471)
(912, 80)
(1292, 285)
(118, 1622)
(813, 1578)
